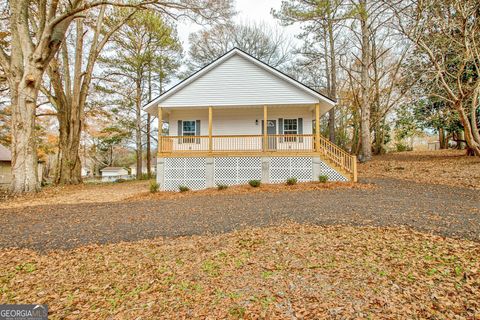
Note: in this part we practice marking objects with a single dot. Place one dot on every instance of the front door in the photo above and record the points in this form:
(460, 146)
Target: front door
(271, 131)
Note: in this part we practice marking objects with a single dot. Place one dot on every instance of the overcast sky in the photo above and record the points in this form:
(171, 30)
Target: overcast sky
(257, 11)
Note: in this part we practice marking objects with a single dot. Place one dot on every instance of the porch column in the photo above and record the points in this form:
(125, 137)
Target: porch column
(160, 127)
(210, 140)
(317, 127)
(265, 129)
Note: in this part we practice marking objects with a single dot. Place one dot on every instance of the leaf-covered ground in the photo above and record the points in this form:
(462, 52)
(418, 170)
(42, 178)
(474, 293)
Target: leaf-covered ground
(82, 193)
(449, 167)
(287, 272)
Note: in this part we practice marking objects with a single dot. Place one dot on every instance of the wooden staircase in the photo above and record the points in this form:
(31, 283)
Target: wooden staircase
(339, 159)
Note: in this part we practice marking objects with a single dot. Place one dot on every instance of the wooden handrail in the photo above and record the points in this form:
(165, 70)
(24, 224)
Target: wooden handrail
(274, 143)
(339, 157)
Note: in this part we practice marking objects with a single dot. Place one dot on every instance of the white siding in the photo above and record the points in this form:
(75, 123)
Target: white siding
(238, 81)
(239, 121)
(234, 122)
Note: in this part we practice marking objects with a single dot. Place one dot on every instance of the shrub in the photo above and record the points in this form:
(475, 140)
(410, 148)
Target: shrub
(291, 181)
(120, 180)
(322, 178)
(255, 183)
(402, 147)
(183, 188)
(221, 186)
(154, 186)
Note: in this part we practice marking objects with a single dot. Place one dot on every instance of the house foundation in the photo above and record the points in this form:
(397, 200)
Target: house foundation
(208, 172)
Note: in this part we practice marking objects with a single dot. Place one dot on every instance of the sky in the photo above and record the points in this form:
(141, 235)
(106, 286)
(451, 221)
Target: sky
(257, 11)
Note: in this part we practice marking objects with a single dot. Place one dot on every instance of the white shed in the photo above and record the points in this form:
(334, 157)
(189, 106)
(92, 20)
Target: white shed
(114, 173)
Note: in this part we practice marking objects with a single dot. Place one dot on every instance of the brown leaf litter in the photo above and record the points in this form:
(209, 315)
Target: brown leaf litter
(287, 272)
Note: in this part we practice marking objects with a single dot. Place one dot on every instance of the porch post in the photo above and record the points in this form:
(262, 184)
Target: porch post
(317, 127)
(265, 128)
(210, 141)
(160, 127)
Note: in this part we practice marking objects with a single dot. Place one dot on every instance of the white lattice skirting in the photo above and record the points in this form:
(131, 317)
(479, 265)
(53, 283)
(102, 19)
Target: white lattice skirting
(237, 170)
(188, 172)
(201, 173)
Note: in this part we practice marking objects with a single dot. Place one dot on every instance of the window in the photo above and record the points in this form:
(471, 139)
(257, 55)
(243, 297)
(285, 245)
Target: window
(290, 126)
(188, 129)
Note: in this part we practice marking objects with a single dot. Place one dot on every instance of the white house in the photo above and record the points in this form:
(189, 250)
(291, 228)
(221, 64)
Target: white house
(239, 119)
(114, 173)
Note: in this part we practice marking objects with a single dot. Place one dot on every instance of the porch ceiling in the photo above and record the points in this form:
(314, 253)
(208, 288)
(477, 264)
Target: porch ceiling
(153, 110)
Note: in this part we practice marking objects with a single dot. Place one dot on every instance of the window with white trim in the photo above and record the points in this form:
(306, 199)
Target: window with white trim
(290, 126)
(188, 129)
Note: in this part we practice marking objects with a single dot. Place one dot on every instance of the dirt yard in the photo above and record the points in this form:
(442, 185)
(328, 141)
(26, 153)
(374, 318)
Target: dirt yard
(286, 272)
(449, 167)
(84, 193)
(328, 251)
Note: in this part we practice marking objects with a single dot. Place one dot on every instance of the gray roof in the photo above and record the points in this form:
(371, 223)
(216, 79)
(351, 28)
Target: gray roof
(5, 154)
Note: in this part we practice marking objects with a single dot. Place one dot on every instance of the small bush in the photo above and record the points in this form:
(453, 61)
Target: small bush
(402, 147)
(221, 186)
(255, 183)
(291, 181)
(322, 179)
(120, 180)
(154, 187)
(183, 188)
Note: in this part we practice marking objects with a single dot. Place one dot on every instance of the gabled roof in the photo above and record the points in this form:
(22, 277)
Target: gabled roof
(225, 57)
(5, 154)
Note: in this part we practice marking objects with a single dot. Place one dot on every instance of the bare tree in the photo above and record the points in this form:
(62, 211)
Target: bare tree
(448, 34)
(38, 29)
(264, 43)
(68, 88)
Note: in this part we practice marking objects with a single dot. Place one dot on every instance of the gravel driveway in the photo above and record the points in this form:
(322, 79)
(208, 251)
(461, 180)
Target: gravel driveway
(444, 210)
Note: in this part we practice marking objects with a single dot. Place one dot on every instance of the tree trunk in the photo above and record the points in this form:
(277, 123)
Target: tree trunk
(138, 127)
(24, 148)
(473, 145)
(441, 138)
(149, 152)
(378, 147)
(460, 137)
(333, 81)
(473, 114)
(365, 107)
(69, 165)
(70, 113)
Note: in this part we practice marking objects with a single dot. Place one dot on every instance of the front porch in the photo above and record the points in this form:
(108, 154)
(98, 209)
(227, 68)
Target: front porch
(195, 143)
